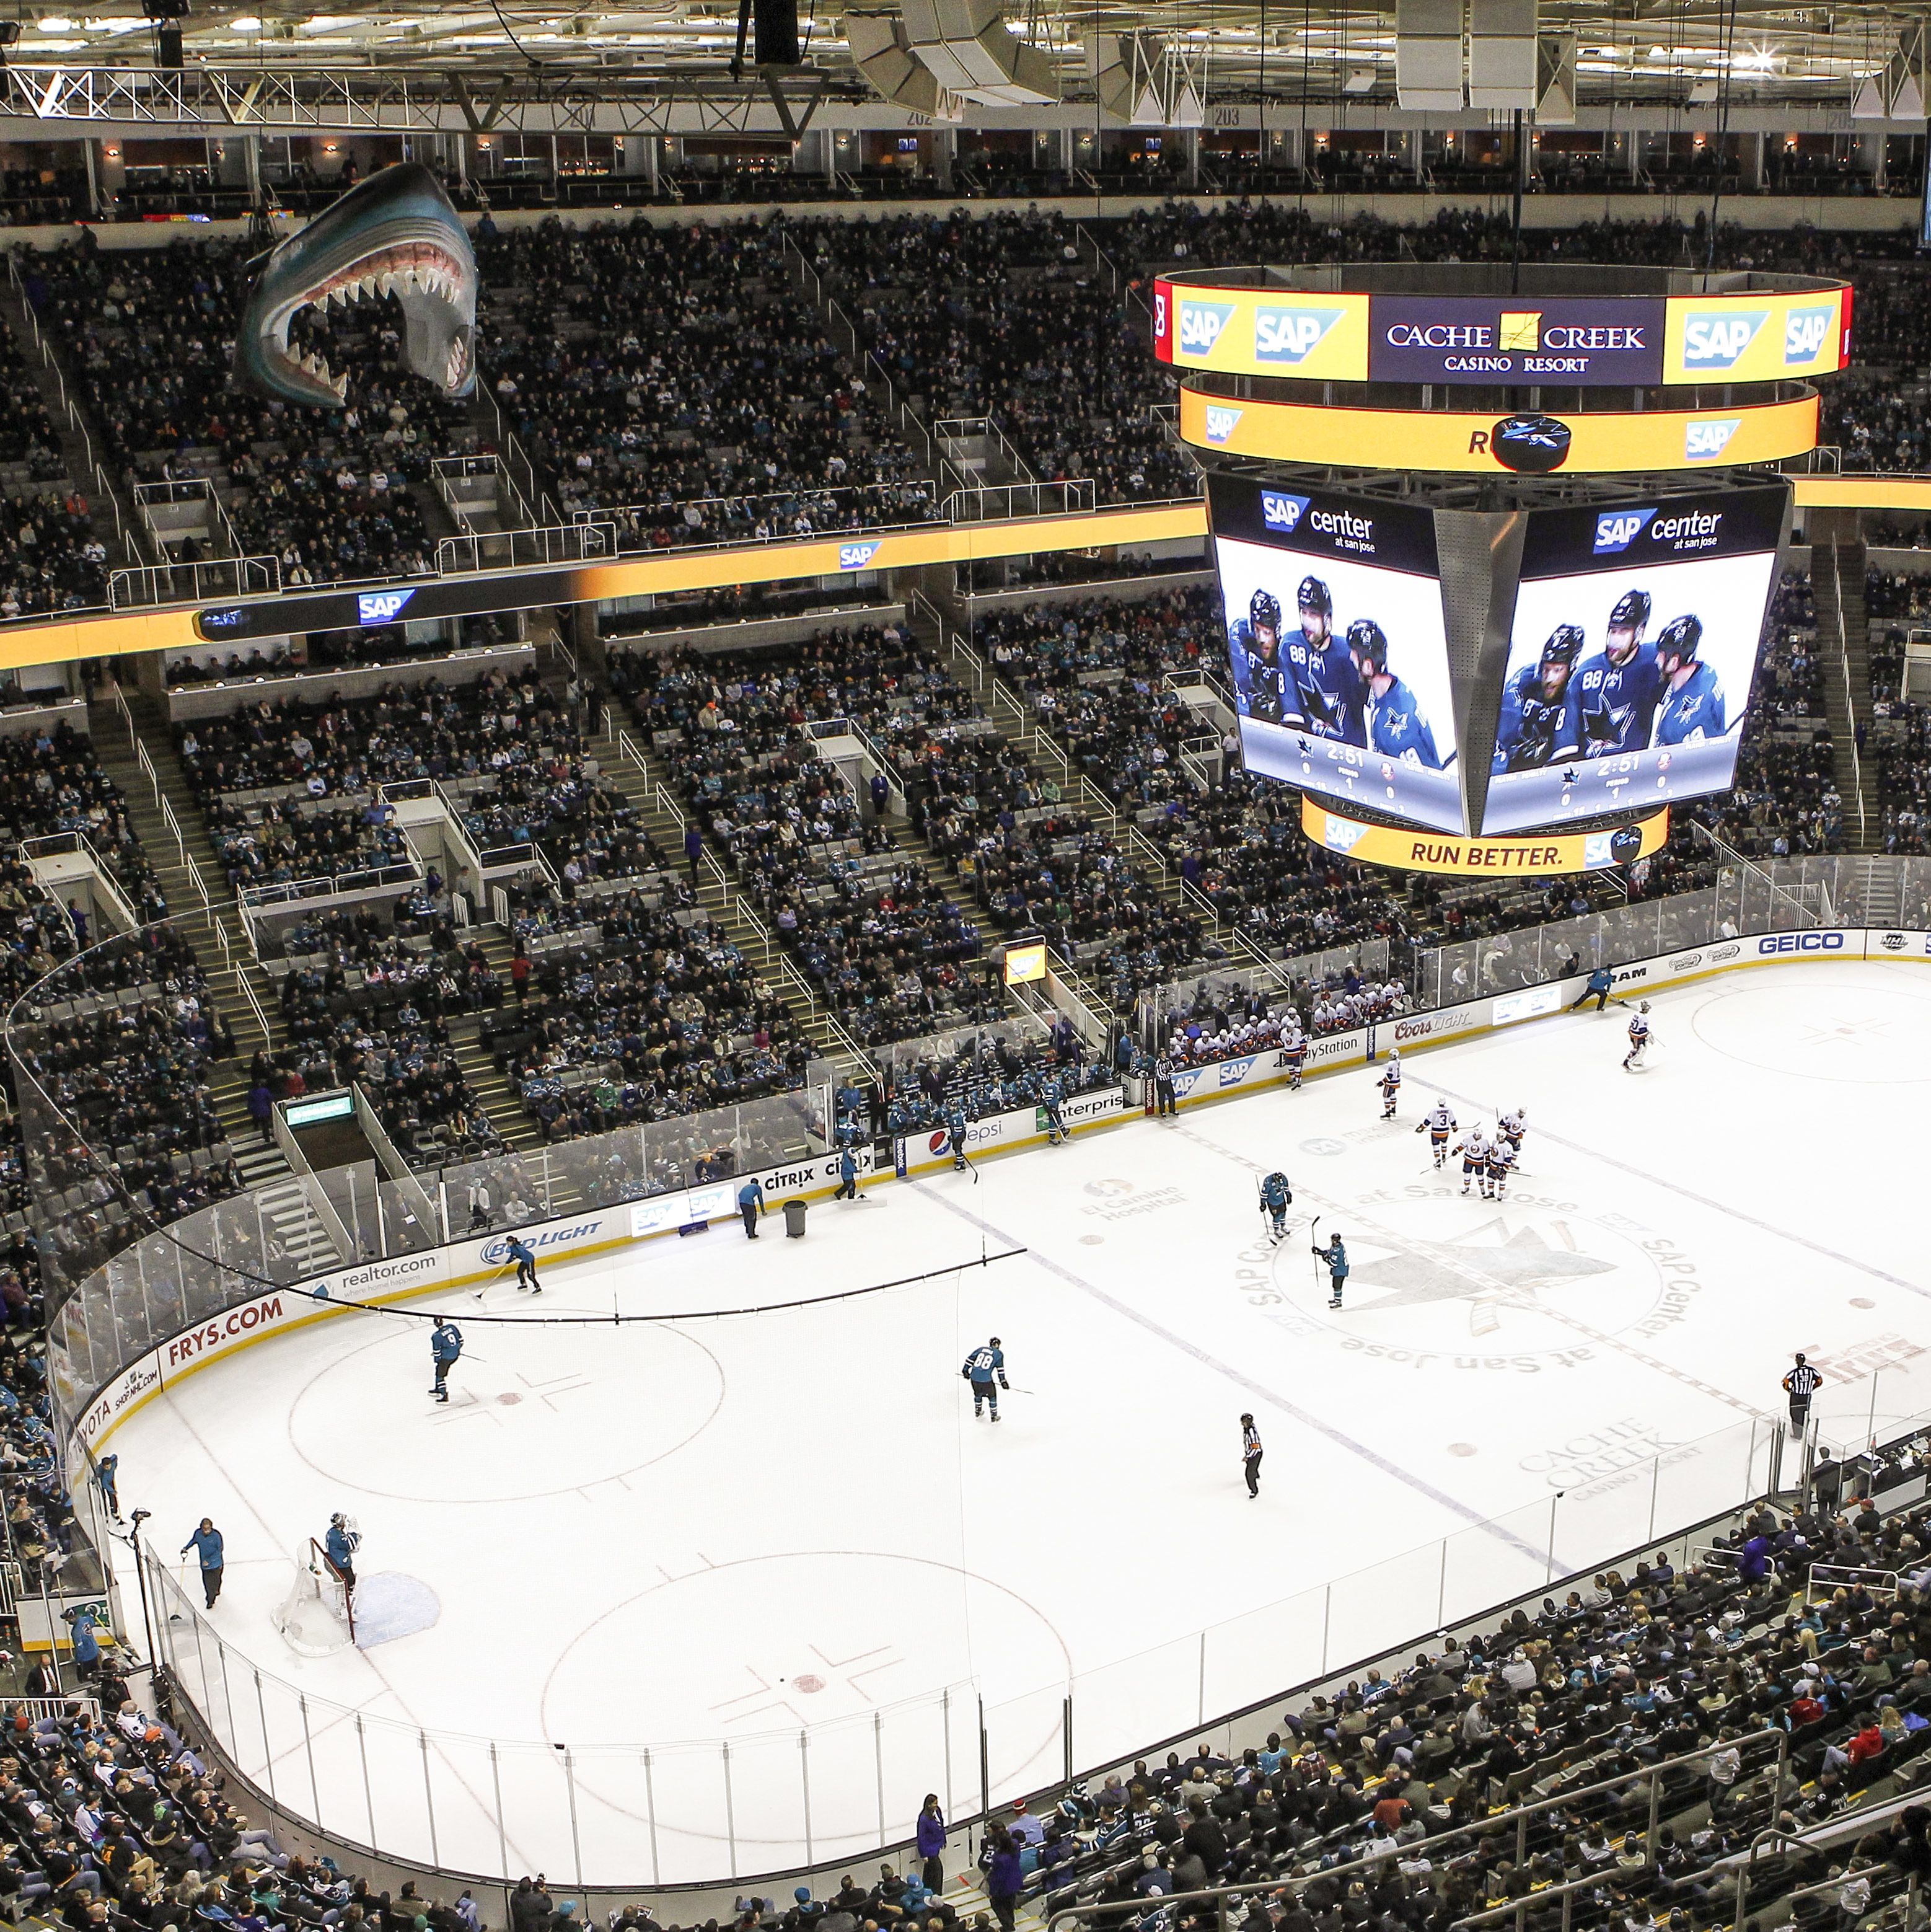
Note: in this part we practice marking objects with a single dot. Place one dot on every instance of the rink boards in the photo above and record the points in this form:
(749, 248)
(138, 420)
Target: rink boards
(1329, 1053)
(597, 1232)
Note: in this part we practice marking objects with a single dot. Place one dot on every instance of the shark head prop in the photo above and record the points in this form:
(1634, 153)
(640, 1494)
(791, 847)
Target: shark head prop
(394, 234)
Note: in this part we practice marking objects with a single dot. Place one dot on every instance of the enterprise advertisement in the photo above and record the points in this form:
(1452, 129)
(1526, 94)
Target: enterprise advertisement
(1632, 651)
(1338, 655)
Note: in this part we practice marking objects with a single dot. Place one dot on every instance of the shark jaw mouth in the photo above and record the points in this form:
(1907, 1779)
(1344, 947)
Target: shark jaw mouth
(433, 286)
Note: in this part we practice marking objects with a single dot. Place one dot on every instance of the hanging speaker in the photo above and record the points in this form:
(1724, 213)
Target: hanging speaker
(167, 47)
(775, 31)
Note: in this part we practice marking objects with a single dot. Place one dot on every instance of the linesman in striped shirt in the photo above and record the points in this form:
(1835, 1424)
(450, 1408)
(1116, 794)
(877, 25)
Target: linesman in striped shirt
(1250, 1454)
(1800, 1384)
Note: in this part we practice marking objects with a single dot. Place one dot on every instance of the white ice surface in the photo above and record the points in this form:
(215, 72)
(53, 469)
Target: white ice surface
(673, 1534)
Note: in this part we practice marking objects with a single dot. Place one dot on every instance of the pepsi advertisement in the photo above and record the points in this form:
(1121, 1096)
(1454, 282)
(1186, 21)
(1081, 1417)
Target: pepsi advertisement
(1338, 658)
(1632, 650)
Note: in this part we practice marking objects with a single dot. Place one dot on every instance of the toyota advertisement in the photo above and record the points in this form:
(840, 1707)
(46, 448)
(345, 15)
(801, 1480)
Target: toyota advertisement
(1338, 654)
(1631, 649)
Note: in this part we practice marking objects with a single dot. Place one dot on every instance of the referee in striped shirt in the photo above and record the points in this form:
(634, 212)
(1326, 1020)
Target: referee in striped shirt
(1801, 1384)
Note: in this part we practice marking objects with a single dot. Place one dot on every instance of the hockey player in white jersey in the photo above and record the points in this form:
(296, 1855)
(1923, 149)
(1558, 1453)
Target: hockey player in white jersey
(1501, 1165)
(1390, 1083)
(1472, 1147)
(1511, 1127)
(1639, 1039)
(1439, 1122)
(1294, 1050)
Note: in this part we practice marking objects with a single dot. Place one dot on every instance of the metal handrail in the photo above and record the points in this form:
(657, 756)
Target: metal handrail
(1850, 696)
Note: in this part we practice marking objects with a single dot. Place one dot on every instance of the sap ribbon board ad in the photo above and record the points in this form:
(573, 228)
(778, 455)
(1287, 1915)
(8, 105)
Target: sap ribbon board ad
(1339, 658)
(1631, 654)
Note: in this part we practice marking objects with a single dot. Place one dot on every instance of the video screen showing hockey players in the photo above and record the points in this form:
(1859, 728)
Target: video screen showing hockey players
(1338, 658)
(1631, 654)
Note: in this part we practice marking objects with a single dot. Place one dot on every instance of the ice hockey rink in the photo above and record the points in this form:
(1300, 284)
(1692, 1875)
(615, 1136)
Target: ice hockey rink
(784, 1533)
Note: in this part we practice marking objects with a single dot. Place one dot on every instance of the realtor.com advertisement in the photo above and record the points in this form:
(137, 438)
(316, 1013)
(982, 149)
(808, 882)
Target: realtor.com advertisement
(1338, 658)
(1631, 652)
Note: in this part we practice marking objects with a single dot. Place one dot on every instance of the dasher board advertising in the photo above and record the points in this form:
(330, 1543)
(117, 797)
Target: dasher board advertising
(1338, 655)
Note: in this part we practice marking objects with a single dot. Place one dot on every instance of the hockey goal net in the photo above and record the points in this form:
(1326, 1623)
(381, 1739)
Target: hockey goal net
(316, 1618)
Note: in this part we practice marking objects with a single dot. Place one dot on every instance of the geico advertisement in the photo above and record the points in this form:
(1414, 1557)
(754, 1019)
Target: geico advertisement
(1549, 853)
(1751, 338)
(1262, 331)
(1529, 444)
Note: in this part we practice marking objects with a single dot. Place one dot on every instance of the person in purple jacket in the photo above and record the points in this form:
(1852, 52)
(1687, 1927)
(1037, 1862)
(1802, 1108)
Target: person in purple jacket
(932, 1843)
(1004, 1878)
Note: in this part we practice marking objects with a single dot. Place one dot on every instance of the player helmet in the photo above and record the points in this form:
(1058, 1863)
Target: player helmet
(1264, 608)
(993, 1343)
(1564, 645)
(1366, 639)
(1314, 596)
(1394, 1053)
(1680, 638)
(1643, 1008)
(1632, 611)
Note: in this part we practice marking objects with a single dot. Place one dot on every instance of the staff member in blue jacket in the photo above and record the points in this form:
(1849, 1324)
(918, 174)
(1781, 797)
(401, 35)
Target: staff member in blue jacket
(525, 1257)
(932, 1842)
(206, 1544)
(751, 1205)
(1600, 981)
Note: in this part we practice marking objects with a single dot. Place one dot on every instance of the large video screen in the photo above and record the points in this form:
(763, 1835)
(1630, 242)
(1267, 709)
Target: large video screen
(1631, 655)
(1338, 658)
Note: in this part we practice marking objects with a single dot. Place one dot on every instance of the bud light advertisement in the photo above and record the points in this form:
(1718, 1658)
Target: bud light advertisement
(1632, 651)
(1338, 654)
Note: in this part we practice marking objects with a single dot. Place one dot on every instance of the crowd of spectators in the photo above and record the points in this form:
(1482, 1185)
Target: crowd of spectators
(369, 1001)
(1008, 317)
(993, 1070)
(680, 376)
(1367, 1806)
(51, 780)
(892, 951)
(642, 1010)
(333, 494)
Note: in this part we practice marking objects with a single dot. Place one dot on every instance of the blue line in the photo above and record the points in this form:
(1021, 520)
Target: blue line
(1127, 1312)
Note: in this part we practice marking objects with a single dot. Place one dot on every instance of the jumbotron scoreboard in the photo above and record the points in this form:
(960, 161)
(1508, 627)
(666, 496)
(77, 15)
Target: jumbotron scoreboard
(1496, 559)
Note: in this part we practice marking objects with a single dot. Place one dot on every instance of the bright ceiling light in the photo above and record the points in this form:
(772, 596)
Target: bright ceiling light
(245, 23)
(54, 24)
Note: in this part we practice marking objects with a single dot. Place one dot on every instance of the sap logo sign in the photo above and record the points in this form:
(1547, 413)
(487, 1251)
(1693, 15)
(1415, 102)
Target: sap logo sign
(1718, 341)
(1289, 334)
(856, 557)
(381, 606)
(1232, 1072)
(1703, 440)
(1342, 834)
(1220, 423)
(1201, 325)
(1805, 330)
(1801, 942)
(1280, 512)
(1616, 529)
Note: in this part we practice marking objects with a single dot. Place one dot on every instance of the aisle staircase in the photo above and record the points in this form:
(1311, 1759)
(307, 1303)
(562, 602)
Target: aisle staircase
(1843, 638)
(637, 773)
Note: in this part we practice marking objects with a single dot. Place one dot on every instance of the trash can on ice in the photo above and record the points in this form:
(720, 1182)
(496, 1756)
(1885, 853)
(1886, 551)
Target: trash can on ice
(794, 1219)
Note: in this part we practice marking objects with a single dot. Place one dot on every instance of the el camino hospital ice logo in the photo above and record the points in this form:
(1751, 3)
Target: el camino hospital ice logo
(1201, 325)
(1220, 423)
(1290, 334)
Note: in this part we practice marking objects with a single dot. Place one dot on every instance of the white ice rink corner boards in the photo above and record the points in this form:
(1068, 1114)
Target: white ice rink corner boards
(402, 1277)
(1329, 1053)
